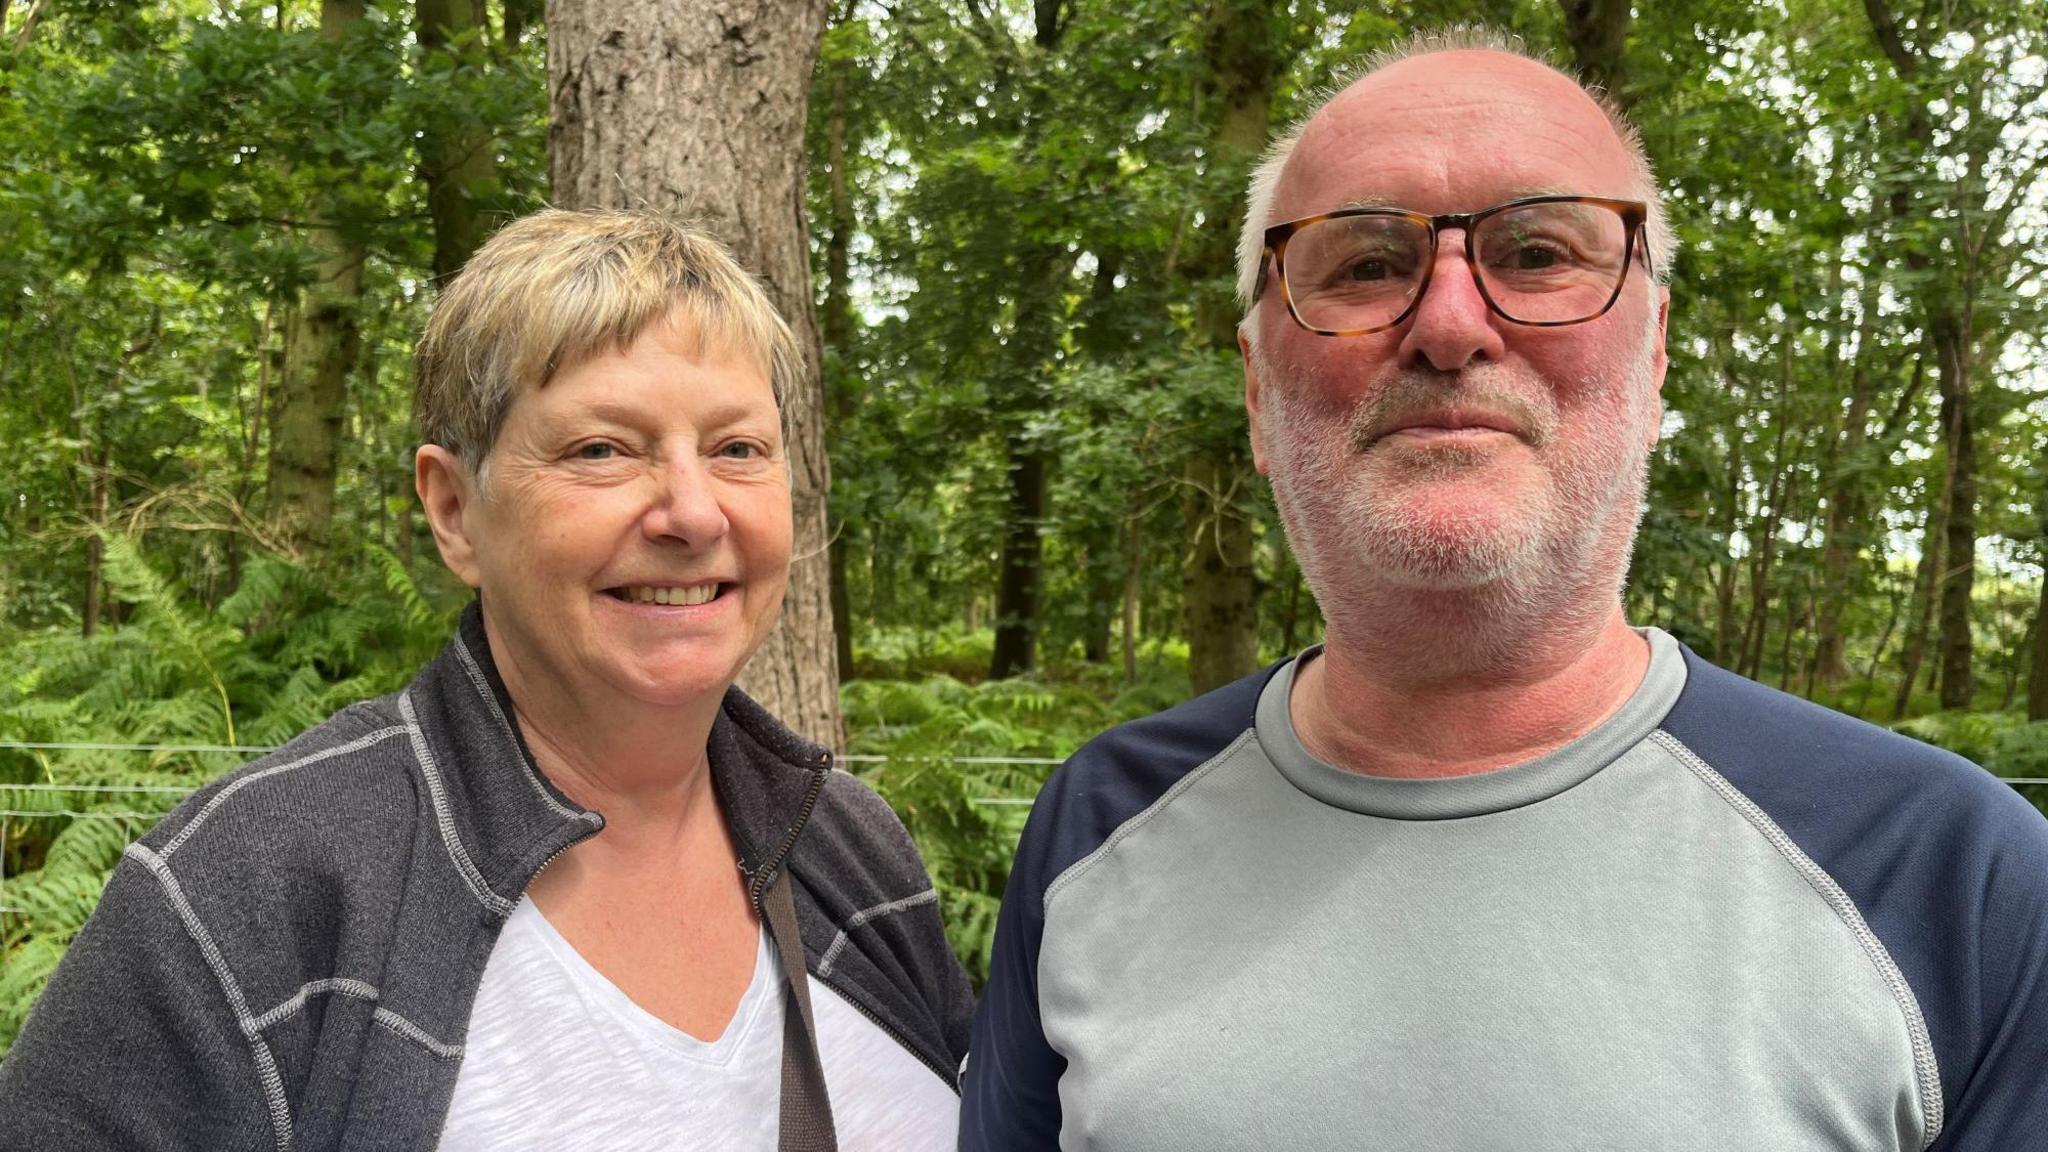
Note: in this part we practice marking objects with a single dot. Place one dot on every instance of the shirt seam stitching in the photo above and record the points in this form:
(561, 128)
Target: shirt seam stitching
(1927, 1072)
(270, 1079)
(221, 797)
(490, 699)
(444, 819)
(862, 917)
(1117, 836)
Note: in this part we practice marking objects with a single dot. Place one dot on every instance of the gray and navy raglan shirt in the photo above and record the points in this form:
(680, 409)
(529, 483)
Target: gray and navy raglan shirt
(1725, 919)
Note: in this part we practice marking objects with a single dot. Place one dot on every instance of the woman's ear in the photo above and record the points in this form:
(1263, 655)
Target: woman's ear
(448, 494)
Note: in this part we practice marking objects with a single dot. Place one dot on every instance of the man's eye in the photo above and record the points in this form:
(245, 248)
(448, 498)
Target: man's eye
(596, 450)
(740, 450)
(1366, 270)
(1534, 259)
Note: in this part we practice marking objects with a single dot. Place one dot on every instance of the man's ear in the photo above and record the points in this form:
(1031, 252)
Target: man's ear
(448, 496)
(1251, 399)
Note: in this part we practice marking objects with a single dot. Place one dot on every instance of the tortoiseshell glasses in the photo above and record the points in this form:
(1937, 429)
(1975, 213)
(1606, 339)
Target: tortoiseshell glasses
(1544, 261)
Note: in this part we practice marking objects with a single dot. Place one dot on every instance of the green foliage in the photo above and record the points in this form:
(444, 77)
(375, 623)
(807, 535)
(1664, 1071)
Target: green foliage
(288, 649)
(960, 763)
(1035, 222)
(1975, 736)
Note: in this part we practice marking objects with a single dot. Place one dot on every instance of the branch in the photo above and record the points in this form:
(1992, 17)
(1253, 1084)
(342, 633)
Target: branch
(1886, 29)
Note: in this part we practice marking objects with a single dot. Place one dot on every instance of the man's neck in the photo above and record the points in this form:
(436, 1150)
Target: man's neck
(1387, 710)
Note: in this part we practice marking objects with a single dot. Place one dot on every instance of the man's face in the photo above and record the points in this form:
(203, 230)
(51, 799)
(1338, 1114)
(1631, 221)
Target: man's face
(1458, 449)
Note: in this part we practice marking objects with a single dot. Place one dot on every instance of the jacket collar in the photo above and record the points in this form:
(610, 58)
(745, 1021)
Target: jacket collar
(502, 819)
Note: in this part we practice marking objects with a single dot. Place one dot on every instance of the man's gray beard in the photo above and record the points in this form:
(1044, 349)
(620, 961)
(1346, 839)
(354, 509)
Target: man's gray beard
(1548, 564)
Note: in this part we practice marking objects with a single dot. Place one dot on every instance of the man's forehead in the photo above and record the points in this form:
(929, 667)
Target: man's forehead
(1454, 131)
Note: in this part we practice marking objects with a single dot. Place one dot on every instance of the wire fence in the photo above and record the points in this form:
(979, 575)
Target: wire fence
(69, 799)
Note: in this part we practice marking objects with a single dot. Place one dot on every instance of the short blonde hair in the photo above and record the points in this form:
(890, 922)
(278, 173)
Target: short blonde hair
(1265, 181)
(558, 287)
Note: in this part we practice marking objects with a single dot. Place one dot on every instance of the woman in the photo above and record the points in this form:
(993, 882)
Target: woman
(544, 897)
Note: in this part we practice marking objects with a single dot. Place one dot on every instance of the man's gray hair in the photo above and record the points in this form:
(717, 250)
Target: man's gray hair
(1265, 182)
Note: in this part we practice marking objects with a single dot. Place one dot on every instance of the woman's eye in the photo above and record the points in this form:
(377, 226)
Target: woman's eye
(596, 450)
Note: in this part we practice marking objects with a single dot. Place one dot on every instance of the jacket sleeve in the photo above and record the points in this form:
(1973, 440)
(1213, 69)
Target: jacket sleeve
(1010, 1094)
(134, 1045)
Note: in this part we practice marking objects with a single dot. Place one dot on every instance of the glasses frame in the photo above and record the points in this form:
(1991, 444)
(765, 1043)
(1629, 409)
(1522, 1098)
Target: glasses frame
(1633, 214)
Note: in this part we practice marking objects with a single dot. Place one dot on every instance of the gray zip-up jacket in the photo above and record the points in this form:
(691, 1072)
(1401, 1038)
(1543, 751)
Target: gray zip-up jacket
(289, 959)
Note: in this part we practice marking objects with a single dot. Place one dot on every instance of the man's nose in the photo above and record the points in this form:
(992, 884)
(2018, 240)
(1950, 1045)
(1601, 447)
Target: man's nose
(684, 504)
(1452, 326)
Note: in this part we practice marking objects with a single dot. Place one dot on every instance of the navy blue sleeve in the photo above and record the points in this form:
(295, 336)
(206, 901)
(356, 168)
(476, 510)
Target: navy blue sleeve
(1947, 865)
(1009, 1097)
(1010, 1094)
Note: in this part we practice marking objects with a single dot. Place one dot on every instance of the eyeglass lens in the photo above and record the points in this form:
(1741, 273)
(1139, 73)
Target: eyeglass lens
(1546, 263)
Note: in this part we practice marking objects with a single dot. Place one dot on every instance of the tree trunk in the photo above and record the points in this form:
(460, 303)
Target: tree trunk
(1020, 383)
(1958, 576)
(1724, 583)
(842, 391)
(1926, 580)
(1842, 538)
(1242, 59)
(458, 158)
(2037, 676)
(1134, 571)
(1016, 643)
(323, 343)
(95, 548)
(1101, 561)
(1216, 579)
(518, 14)
(1020, 388)
(1598, 31)
(701, 108)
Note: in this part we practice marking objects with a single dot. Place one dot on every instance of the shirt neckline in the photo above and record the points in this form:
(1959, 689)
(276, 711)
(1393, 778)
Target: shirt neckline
(613, 999)
(1484, 792)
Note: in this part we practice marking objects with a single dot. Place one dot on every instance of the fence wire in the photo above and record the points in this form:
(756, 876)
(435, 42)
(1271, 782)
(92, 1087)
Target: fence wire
(85, 792)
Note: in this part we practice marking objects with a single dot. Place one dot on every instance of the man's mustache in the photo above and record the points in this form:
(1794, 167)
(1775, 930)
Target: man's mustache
(1475, 396)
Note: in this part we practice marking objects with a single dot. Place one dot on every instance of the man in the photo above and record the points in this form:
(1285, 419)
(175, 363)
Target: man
(1491, 869)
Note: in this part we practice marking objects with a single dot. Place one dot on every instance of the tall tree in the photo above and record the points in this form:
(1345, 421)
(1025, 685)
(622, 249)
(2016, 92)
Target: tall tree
(701, 108)
(1963, 179)
(1022, 379)
(1244, 52)
(458, 162)
(1598, 32)
(322, 344)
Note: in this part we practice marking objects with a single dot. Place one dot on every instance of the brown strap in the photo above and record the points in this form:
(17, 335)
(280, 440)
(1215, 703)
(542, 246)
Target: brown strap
(806, 1106)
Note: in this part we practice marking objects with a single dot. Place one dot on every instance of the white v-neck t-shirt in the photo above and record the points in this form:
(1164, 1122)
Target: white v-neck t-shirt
(558, 1058)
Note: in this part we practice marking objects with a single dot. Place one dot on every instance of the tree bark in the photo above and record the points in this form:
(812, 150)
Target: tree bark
(458, 157)
(1134, 571)
(1016, 641)
(323, 343)
(1020, 394)
(1020, 384)
(1598, 32)
(1926, 581)
(701, 108)
(1217, 588)
(518, 15)
(1242, 60)
(843, 394)
(95, 547)
(1958, 578)
(2037, 676)
(1842, 539)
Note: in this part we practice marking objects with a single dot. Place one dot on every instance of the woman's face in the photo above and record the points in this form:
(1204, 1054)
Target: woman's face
(632, 538)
